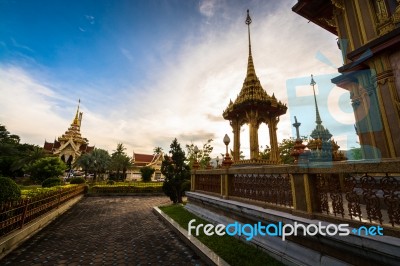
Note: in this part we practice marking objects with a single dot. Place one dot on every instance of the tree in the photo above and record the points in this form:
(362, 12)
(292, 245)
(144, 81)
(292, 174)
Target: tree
(203, 155)
(157, 150)
(85, 162)
(176, 172)
(96, 162)
(355, 153)
(285, 148)
(15, 156)
(120, 162)
(101, 162)
(147, 172)
(46, 168)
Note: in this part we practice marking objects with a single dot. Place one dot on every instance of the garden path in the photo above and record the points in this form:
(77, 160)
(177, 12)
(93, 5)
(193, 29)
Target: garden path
(106, 231)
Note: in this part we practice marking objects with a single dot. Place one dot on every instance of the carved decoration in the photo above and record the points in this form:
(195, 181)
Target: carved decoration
(322, 192)
(273, 189)
(369, 186)
(208, 183)
(353, 200)
(390, 187)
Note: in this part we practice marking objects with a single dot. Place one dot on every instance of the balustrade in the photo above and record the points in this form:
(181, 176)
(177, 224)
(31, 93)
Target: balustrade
(361, 192)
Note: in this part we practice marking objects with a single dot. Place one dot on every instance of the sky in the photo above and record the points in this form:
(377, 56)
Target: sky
(149, 71)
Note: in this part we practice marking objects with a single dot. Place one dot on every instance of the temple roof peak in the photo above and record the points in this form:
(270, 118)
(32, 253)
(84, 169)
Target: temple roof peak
(250, 65)
(76, 120)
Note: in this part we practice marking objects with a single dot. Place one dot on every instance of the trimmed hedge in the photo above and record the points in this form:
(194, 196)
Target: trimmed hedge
(77, 180)
(51, 182)
(9, 190)
(125, 189)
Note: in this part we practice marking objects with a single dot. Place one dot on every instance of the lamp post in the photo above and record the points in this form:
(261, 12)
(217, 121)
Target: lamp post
(195, 163)
(227, 160)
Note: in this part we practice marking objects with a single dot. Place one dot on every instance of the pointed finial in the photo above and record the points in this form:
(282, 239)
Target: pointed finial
(248, 18)
(312, 80)
(250, 66)
(318, 117)
(76, 119)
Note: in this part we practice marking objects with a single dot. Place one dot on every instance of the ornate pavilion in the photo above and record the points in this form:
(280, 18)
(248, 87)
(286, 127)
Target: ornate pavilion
(254, 106)
(70, 145)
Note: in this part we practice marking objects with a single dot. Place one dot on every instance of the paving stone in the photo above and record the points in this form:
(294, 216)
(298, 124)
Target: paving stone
(106, 231)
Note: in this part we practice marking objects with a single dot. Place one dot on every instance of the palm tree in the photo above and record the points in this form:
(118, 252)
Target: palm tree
(85, 162)
(157, 150)
(120, 161)
(101, 162)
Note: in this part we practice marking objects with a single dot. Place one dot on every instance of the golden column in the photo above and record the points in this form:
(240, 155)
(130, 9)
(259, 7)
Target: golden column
(252, 117)
(236, 139)
(273, 139)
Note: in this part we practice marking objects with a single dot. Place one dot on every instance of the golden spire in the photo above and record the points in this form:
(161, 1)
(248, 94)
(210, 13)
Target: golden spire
(76, 119)
(250, 66)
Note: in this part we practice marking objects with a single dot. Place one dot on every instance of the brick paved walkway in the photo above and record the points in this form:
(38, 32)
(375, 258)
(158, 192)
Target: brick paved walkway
(106, 231)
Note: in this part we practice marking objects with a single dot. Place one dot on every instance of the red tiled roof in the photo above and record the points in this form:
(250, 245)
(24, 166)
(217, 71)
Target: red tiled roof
(57, 144)
(142, 159)
(48, 146)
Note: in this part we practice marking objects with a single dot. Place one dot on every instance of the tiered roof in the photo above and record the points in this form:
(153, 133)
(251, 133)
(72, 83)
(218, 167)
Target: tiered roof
(252, 95)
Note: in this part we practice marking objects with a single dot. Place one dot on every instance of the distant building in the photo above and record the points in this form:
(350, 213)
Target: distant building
(70, 145)
(369, 38)
(141, 160)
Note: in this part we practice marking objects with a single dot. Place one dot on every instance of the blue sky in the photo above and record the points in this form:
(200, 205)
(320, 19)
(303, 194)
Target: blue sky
(149, 71)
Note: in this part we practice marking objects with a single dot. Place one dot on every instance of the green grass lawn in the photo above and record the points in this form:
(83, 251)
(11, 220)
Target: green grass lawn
(232, 250)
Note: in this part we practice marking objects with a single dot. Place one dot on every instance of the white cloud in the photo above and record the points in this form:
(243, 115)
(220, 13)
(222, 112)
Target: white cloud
(184, 95)
(207, 7)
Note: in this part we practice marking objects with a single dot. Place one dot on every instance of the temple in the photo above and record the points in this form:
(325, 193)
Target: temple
(254, 106)
(369, 38)
(140, 160)
(320, 188)
(70, 145)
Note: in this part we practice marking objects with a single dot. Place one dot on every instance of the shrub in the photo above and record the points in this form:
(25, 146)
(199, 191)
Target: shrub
(110, 182)
(9, 190)
(147, 173)
(51, 182)
(77, 180)
(48, 167)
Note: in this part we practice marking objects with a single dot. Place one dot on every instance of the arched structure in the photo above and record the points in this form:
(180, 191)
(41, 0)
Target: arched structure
(254, 106)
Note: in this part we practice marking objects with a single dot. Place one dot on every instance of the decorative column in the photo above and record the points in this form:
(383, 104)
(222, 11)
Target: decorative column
(252, 117)
(273, 139)
(236, 139)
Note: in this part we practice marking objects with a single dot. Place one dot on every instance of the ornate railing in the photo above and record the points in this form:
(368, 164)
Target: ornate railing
(372, 197)
(361, 192)
(270, 188)
(15, 214)
(208, 183)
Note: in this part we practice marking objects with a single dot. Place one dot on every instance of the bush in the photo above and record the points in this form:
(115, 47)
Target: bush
(147, 173)
(110, 182)
(44, 168)
(9, 190)
(77, 180)
(51, 182)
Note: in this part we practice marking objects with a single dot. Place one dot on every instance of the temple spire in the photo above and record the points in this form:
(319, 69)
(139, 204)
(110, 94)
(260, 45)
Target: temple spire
(318, 117)
(250, 65)
(76, 119)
